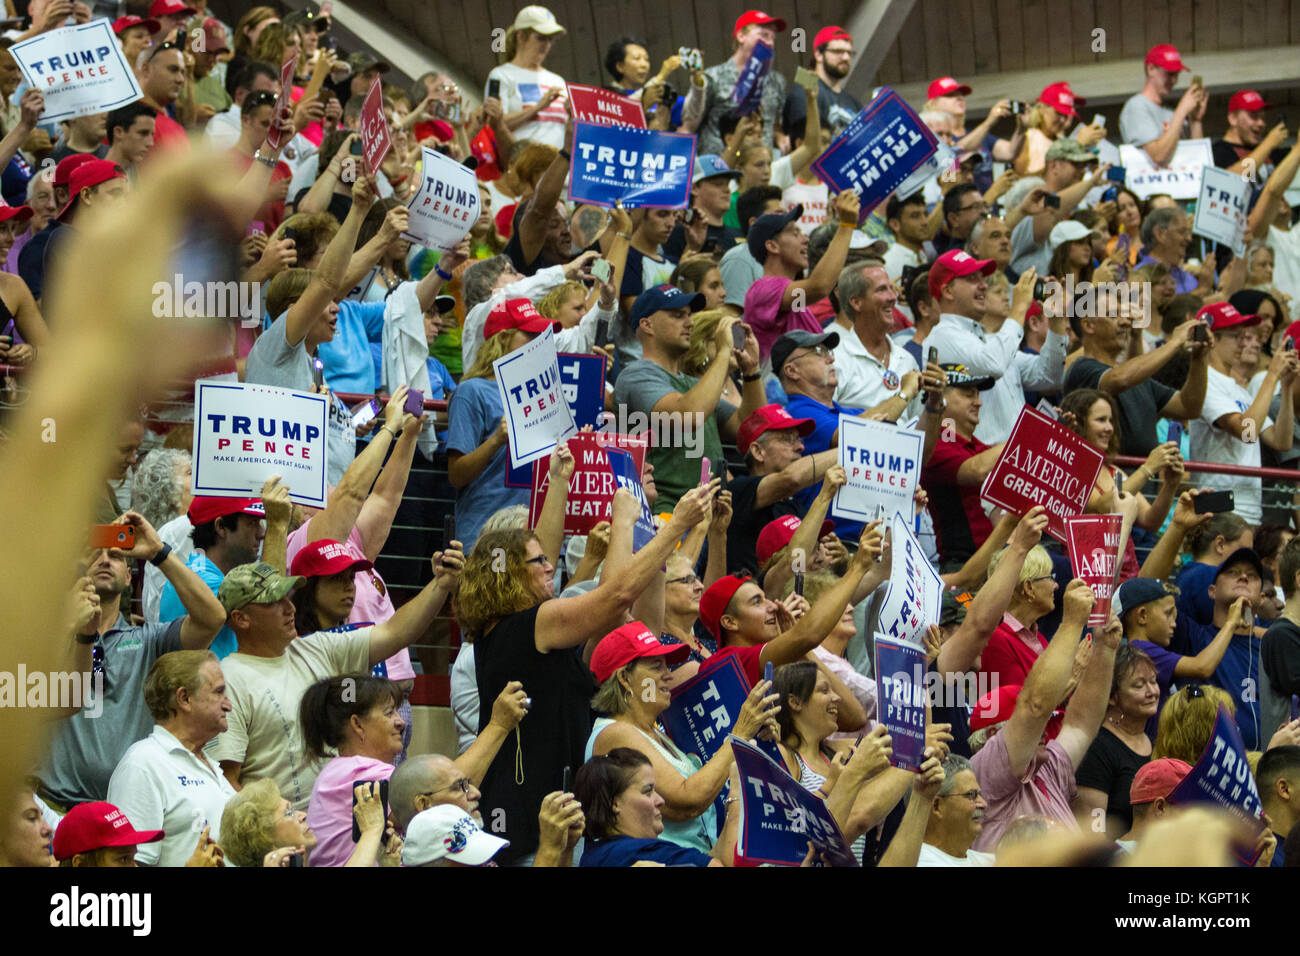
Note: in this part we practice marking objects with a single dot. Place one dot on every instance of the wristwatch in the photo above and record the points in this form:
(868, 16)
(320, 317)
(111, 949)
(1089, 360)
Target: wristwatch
(161, 556)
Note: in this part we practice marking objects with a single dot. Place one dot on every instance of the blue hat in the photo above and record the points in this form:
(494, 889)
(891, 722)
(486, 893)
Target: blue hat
(710, 165)
(1241, 554)
(662, 297)
(1135, 592)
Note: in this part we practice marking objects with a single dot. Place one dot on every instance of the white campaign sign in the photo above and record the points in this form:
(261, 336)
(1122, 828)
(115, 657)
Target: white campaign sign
(915, 595)
(446, 203)
(1222, 207)
(883, 463)
(1180, 179)
(532, 394)
(244, 434)
(79, 69)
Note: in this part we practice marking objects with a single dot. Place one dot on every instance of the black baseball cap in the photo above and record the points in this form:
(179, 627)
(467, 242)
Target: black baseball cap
(960, 377)
(799, 339)
(766, 227)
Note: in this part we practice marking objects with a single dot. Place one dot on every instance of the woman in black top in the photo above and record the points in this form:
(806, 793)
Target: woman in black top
(1121, 747)
(521, 632)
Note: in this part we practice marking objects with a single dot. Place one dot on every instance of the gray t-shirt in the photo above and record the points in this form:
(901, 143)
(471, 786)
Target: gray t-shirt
(273, 361)
(1025, 252)
(739, 270)
(1142, 122)
(87, 746)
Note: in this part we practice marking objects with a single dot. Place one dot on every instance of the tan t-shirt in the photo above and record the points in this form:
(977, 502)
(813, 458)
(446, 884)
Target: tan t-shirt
(263, 731)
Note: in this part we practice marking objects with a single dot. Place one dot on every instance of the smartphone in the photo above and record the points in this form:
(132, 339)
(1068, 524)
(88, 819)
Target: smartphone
(706, 472)
(1110, 195)
(1288, 343)
(767, 672)
(1117, 174)
(295, 859)
(602, 270)
(738, 337)
(1175, 433)
(566, 780)
(932, 356)
(256, 226)
(290, 233)
(494, 89)
(1199, 333)
(1040, 290)
(1196, 80)
(1017, 107)
(330, 43)
(414, 402)
(602, 333)
(448, 530)
(1098, 120)
(317, 372)
(1052, 201)
(364, 412)
(1213, 502)
(112, 536)
(806, 78)
(798, 583)
(383, 798)
(357, 147)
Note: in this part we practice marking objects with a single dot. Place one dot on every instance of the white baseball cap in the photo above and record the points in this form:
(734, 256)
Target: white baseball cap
(1067, 231)
(447, 832)
(538, 19)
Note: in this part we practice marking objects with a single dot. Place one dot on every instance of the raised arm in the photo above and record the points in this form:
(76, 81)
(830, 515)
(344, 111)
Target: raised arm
(508, 710)
(822, 279)
(905, 848)
(550, 523)
(279, 511)
(327, 278)
(1087, 707)
(414, 617)
(378, 509)
(204, 613)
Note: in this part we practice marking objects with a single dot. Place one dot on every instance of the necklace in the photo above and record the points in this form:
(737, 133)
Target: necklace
(1118, 723)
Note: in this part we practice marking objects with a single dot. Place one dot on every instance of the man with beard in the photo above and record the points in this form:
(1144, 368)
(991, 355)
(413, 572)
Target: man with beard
(832, 58)
(956, 819)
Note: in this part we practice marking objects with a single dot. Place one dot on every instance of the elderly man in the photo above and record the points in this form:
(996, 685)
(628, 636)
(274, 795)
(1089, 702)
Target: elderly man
(957, 285)
(1166, 233)
(991, 239)
(166, 782)
(1065, 176)
(84, 752)
(1025, 760)
(1145, 121)
(956, 819)
(875, 372)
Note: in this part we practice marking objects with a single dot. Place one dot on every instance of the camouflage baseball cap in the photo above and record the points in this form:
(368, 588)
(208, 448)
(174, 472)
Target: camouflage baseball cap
(255, 584)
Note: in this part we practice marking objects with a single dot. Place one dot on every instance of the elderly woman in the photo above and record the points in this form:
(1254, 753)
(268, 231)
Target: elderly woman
(1121, 747)
(520, 631)
(682, 592)
(160, 489)
(632, 667)
(624, 820)
(1016, 641)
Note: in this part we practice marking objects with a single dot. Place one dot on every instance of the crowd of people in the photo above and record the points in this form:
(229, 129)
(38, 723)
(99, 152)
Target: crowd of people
(253, 671)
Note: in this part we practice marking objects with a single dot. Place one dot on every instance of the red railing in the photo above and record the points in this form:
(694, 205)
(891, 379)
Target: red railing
(1218, 468)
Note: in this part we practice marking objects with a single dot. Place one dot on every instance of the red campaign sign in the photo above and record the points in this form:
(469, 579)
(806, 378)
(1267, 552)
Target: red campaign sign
(286, 87)
(592, 485)
(1093, 542)
(1046, 464)
(594, 105)
(375, 139)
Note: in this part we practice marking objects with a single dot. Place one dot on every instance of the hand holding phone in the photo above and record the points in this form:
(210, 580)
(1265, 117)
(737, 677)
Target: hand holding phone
(767, 671)
(414, 404)
(601, 269)
(1175, 433)
(494, 89)
(602, 333)
(738, 337)
(706, 473)
(806, 78)
(1052, 201)
(566, 780)
(798, 583)
(1213, 502)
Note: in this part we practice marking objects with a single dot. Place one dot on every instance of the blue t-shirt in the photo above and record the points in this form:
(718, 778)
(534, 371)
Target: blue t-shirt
(826, 420)
(1194, 601)
(170, 606)
(475, 413)
(354, 358)
(624, 851)
(1238, 674)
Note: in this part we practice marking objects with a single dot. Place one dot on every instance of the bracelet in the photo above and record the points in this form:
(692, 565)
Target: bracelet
(624, 235)
(852, 224)
(568, 157)
(268, 161)
(391, 431)
(161, 556)
(444, 276)
(751, 378)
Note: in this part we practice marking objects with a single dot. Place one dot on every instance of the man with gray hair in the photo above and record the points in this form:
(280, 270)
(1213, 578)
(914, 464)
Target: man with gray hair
(1166, 233)
(956, 819)
(875, 372)
(991, 239)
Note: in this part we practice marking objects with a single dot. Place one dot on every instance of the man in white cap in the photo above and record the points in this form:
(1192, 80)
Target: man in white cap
(446, 835)
(529, 93)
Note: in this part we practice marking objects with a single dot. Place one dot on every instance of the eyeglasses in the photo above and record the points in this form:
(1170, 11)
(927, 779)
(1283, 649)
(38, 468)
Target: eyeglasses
(540, 561)
(1194, 691)
(1045, 577)
(981, 208)
(262, 98)
(464, 785)
(971, 795)
(690, 580)
(821, 351)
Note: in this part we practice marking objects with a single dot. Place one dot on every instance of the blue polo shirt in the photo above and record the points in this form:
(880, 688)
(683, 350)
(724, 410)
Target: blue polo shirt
(826, 420)
(1239, 674)
(624, 851)
(170, 606)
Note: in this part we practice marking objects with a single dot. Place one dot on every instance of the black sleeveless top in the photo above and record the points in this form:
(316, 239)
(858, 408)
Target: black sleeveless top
(551, 737)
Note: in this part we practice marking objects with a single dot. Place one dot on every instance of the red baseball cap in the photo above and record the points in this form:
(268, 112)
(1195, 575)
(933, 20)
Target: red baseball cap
(826, 34)
(63, 171)
(505, 219)
(629, 643)
(1165, 56)
(714, 601)
(122, 24)
(21, 213)
(205, 508)
(325, 557)
(1293, 333)
(1247, 100)
(1061, 98)
(758, 18)
(1156, 779)
(88, 174)
(516, 314)
(1221, 315)
(169, 8)
(214, 36)
(953, 264)
(766, 418)
(777, 534)
(946, 86)
(95, 826)
(998, 705)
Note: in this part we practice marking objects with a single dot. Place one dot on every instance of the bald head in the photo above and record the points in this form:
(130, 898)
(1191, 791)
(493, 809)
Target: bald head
(417, 783)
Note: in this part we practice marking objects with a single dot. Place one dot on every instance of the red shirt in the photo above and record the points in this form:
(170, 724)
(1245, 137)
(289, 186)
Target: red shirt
(960, 524)
(1010, 653)
(747, 657)
(271, 214)
(169, 134)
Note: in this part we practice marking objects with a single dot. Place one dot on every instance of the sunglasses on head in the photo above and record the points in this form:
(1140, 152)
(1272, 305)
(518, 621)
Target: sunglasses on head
(166, 45)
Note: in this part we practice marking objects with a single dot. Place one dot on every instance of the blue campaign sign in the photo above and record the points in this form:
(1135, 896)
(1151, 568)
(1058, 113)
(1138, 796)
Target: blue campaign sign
(876, 152)
(627, 476)
(1222, 776)
(748, 92)
(582, 379)
(642, 168)
(779, 817)
(705, 708)
(900, 679)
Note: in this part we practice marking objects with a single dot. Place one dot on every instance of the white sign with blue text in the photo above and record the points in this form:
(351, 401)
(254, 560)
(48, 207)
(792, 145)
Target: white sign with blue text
(445, 205)
(883, 463)
(1222, 208)
(915, 595)
(537, 414)
(79, 69)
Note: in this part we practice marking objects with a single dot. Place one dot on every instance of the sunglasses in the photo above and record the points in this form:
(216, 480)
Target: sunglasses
(168, 45)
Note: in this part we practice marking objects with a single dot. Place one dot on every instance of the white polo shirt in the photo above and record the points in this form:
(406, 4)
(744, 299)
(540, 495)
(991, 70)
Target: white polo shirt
(865, 381)
(161, 785)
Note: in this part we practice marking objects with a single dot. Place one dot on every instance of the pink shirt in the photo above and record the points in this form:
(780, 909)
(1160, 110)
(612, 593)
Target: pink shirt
(1047, 788)
(763, 313)
(371, 604)
(329, 814)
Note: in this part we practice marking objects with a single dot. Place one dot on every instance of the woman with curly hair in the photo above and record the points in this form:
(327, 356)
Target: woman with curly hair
(160, 489)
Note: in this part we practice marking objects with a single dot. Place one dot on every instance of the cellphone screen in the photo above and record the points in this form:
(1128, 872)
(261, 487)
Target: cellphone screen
(494, 89)
(767, 672)
(1213, 502)
(738, 336)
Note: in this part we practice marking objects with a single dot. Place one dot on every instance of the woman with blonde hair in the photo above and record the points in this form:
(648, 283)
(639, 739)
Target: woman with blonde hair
(1187, 722)
(703, 349)
(1016, 642)
(1047, 120)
